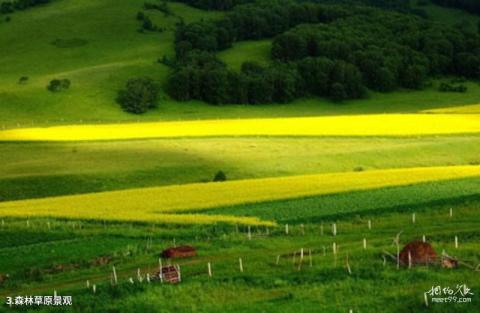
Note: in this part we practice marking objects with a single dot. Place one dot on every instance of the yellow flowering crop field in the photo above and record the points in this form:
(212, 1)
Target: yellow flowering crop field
(464, 109)
(159, 204)
(347, 125)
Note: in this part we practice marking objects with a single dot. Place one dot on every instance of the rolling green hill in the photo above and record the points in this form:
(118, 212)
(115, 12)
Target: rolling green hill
(102, 191)
(96, 44)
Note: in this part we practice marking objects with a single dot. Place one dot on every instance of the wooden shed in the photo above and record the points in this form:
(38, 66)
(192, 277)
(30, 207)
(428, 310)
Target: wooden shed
(179, 252)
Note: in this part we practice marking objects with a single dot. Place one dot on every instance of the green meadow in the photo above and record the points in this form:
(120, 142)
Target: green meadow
(98, 46)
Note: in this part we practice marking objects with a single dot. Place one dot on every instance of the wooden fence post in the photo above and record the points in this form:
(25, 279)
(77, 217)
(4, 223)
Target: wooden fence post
(310, 257)
(114, 275)
(334, 248)
(139, 275)
(160, 266)
(179, 273)
(209, 269)
(348, 267)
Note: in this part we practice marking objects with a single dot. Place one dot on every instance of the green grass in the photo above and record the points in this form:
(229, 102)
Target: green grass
(247, 51)
(98, 48)
(112, 51)
(417, 197)
(263, 284)
(69, 168)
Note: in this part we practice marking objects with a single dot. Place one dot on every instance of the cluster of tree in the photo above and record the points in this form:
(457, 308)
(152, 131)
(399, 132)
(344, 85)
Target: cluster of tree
(18, 5)
(139, 95)
(221, 5)
(56, 85)
(390, 49)
(202, 76)
(472, 6)
(325, 50)
(224, 5)
(252, 21)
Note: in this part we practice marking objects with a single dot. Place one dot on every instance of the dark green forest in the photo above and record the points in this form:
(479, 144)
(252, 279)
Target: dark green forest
(10, 6)
(472, 6)
(334, 51)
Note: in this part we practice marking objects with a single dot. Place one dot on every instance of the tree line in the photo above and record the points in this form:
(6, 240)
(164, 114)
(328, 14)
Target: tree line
(18, 5)
(221, 5)
(472, 6)
(390, 50)
(326, 50)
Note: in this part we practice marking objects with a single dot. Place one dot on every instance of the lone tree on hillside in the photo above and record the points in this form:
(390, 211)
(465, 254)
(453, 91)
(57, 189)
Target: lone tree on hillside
(220, 176)
(138, 96)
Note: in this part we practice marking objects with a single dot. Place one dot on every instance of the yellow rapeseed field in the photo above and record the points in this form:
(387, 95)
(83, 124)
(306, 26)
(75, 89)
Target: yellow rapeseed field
(349, 125)
(464, 109)
(159, 204)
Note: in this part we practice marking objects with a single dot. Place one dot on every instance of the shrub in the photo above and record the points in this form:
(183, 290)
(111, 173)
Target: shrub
(148, 24)
(138, 96)
(56, 85)
(220, 176)
(444, 87)
(23, 80)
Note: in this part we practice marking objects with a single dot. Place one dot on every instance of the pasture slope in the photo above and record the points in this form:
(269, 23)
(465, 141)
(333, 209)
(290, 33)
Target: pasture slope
(410, 152)
(158, 204)
(356, 125)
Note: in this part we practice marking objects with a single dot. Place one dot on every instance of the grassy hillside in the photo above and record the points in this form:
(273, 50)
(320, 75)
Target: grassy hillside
(247, 51)
(96, 44)
(85, 187)
(71, 168)
(98, 47)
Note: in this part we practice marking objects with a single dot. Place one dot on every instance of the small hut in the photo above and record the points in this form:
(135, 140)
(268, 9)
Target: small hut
(420, 253)
(179, 252)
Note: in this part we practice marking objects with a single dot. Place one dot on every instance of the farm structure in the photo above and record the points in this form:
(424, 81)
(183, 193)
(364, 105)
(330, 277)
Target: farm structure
(179, 252)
